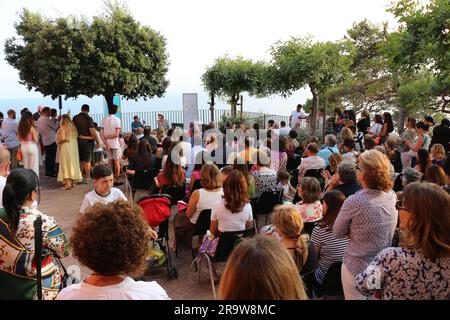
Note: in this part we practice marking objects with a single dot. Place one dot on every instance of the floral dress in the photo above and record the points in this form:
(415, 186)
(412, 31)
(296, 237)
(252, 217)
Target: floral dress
(310, 212)
(406, 274)
(17, 259)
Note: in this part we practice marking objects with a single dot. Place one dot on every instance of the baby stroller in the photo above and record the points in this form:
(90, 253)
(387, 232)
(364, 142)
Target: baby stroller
(156, 211)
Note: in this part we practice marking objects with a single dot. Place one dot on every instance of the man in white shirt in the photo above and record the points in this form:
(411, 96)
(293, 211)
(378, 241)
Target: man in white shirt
(297, 118)
(110, 133)
(104, 191)
(311, 162)
(47, 130)
(10, 139)
(4, 170)
(284, 130)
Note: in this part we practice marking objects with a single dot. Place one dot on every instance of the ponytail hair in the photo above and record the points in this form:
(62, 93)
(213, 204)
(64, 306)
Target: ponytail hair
(288, 221)
(19, 184)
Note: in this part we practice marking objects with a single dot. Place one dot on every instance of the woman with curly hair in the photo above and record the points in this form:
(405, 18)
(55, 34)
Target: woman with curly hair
(368, 218)
(69, 166)
(419, 268)
(112, 240)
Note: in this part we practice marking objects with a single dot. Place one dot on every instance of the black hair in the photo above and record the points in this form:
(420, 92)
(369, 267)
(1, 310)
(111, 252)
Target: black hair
(422, 125)
(378, 119)
(293, 134)
(388, 120)
(351, 115)
(445, 122)
(46, 109)
(135, 117)
(102, 171)
(283, 123)
(19, 184)
(113, 109)
(271, 121)
(85, 108)
(429, 119)
(96, 126)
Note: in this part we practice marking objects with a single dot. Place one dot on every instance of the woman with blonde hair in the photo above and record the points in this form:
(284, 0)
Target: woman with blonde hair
(369, 217)
(437, 154)
(69, 165)
(210, 193)
(419, 268)
(261, 269)
(288, 227)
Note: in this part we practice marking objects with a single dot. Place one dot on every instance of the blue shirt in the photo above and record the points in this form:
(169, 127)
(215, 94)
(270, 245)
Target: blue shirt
(326, 152)
(135, 125)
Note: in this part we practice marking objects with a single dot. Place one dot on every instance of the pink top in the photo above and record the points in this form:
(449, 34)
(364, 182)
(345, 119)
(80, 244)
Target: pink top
(310, 212)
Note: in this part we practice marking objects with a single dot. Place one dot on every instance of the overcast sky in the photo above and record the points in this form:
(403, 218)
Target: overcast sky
(199, 31)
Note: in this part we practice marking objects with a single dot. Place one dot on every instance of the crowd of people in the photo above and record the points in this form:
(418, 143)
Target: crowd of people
(369, 200)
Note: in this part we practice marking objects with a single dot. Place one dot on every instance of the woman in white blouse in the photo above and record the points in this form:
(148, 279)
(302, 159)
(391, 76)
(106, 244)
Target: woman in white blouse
(233, 212)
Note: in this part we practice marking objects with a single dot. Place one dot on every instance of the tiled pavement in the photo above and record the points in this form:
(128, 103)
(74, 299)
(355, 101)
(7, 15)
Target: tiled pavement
(64, 206)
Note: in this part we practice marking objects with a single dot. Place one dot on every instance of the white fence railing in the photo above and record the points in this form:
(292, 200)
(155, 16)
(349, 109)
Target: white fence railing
(176, 116)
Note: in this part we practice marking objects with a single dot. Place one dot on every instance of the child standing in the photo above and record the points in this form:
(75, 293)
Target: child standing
(104, 191)
(99, 147)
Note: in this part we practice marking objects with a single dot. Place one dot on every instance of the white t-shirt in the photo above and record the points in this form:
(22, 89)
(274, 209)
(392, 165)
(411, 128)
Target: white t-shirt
(228, 221)
(295, 118)
(110, 124)
(310, 163)
(128, 289)
(93, 197)
(285, 131)
(2, 186)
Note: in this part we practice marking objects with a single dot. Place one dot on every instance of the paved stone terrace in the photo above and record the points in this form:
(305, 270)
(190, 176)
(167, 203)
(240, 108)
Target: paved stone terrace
(64, 206)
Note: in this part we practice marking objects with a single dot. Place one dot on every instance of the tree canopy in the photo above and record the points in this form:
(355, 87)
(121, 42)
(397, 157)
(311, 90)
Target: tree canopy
(111, 55)
(228, 78)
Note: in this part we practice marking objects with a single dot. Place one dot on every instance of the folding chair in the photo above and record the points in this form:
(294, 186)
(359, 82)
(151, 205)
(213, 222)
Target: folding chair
(177, 193)
(266, 202)
(227, 242)
(332, 284)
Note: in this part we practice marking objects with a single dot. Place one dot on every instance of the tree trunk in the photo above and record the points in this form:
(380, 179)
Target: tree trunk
(211, 108)
(315, 106)
(109, 101)
(324, 128)
(403, 112)
(234, 101)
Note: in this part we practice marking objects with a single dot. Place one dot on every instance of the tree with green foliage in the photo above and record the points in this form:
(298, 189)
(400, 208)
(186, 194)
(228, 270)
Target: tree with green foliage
(112, 55)
(300, 62)
(229, 78)
(423, 43)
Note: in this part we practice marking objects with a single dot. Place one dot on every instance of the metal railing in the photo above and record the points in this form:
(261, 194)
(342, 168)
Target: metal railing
(176, 116)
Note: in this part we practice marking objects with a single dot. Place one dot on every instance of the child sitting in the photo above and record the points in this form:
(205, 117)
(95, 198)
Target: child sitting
(104, 191)
(284, 182)
(310, 207)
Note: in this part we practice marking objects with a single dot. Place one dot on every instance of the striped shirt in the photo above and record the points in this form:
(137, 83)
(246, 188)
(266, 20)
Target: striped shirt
(331, 250)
